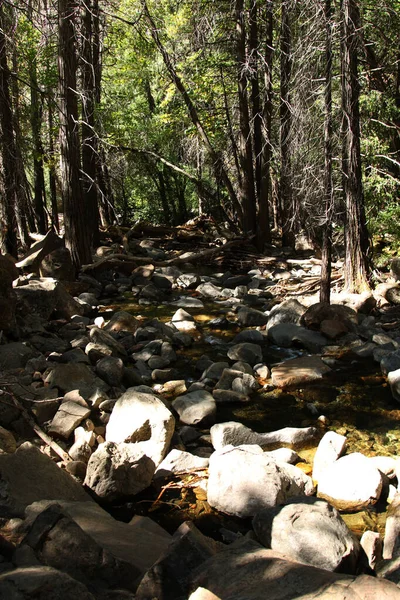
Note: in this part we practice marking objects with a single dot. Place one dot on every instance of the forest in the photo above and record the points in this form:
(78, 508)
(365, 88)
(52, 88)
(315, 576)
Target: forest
(273, 118)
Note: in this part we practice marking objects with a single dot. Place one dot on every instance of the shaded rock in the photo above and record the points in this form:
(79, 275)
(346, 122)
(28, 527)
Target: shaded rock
(317, 313)
(246, 352)
(67, 418)
(236, 434)
(208, 290)
(142, 417)
(99, 336)
(58, 264)
(178, 461)
(7, 441)
(288, 334)
(111, 370)
(351, 483)
(288, 311)
(169, 576)
(45, 296)
(228, 396)
(243, 481)
(15, 355)
(115, 471)
(122, 321)
(213, 371)
(390, 362)
(299, 371)
(330, 448)
(20, 483)
(262, 569)
(72, 376)
(393, 295)
(188, 280)
(309, 531)
(41, 583)
(250, 317)
(195, 408)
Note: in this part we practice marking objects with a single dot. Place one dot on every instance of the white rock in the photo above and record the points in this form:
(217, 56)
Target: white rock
(331, 446)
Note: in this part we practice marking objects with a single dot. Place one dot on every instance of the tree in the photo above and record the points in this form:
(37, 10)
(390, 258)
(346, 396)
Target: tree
(357, 258)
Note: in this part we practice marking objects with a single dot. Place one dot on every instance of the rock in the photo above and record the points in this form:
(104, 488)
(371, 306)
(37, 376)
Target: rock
(371, 543)
(15, 355)
(60, 543)
(243, 481)
(116, 471)
(228, 396)
(195, 408)
(288, 311)
(188, 280)
(394, 382)
(351, 483)
(185, 302)
(250, 317)
(75, 376)
(390, 362)
(67, 418)
(250, 353)
(80, 451)
(309, 531)
(284, 455)
(7, 441)
(168, 578)
(288, 334)
(41, 583)
(58, 264)
(178, 461)
(208, 290)
(111, 370)
(236, 434)
(142, 417)
(122, 321)
(253, 336)
(44, 297)
(99, 336)
(320, 312)
(330, 448)
(21, 485)
(214, 370)
(261, 569)
(299, 371)
(393, 295)
(183, 321)
(395, 268)
(391, 542)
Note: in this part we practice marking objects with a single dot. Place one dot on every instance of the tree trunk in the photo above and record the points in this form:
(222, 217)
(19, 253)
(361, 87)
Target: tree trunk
(247, 190)
(326, 267)
(286, 196)
(263, 225)
(77, 238)
(357, 258)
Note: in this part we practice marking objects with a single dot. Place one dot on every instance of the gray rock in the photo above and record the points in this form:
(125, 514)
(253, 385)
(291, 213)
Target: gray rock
(330, 448)
(196, 408)
(243, 481)
(394, 382)
(116, 471)
(183, 321)
(142, 417)
(262, 569)
(288, 311)
(250, 317)
(236, 434)
(168, 578)
(178, 461)
(246, 352)
(16, 355)
(45, 296)
(309, 531)
(391, 542)
(185, 302)
(72, 376)
(209, 290)
(371, 543)
(287, 334)
(21, 485)
(351, 483)
(41, 583)
(67, 418)
(253, 336)
(122, 321)
(150, 349)
(188, 280)
(99, 336)
(390, 362)
(214, 370)
(111, 370)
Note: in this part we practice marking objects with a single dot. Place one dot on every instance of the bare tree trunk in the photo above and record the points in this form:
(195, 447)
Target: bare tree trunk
(326, 267)
(247, 190)
(358, 248)
(77, 237)
(52, 169)
(286, 196)
(263, 225)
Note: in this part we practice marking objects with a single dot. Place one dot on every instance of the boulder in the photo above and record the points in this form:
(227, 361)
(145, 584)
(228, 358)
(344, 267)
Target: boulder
(288, 311)
(309, 531)
(41, 583)
(251, 317)
(28, 476)
(169, 576)
(351, 483)
(391, 542)
(320, 312)
(208, 290)
(111, 370)
(330, 448)
(122, 321)
(288, 334)
(99, 336)
(45, 297)
(116, 471)
(299, 371)
(237, 434)
(178, 461)
(15, 355)
(75, 376)
(142, 417)
(246, 570)
(196, 408)
(67, 418)
(246, 352)
(243, 481)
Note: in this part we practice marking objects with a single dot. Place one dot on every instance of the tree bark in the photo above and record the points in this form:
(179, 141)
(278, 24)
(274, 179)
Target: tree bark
(358, 247)
(77, 239)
